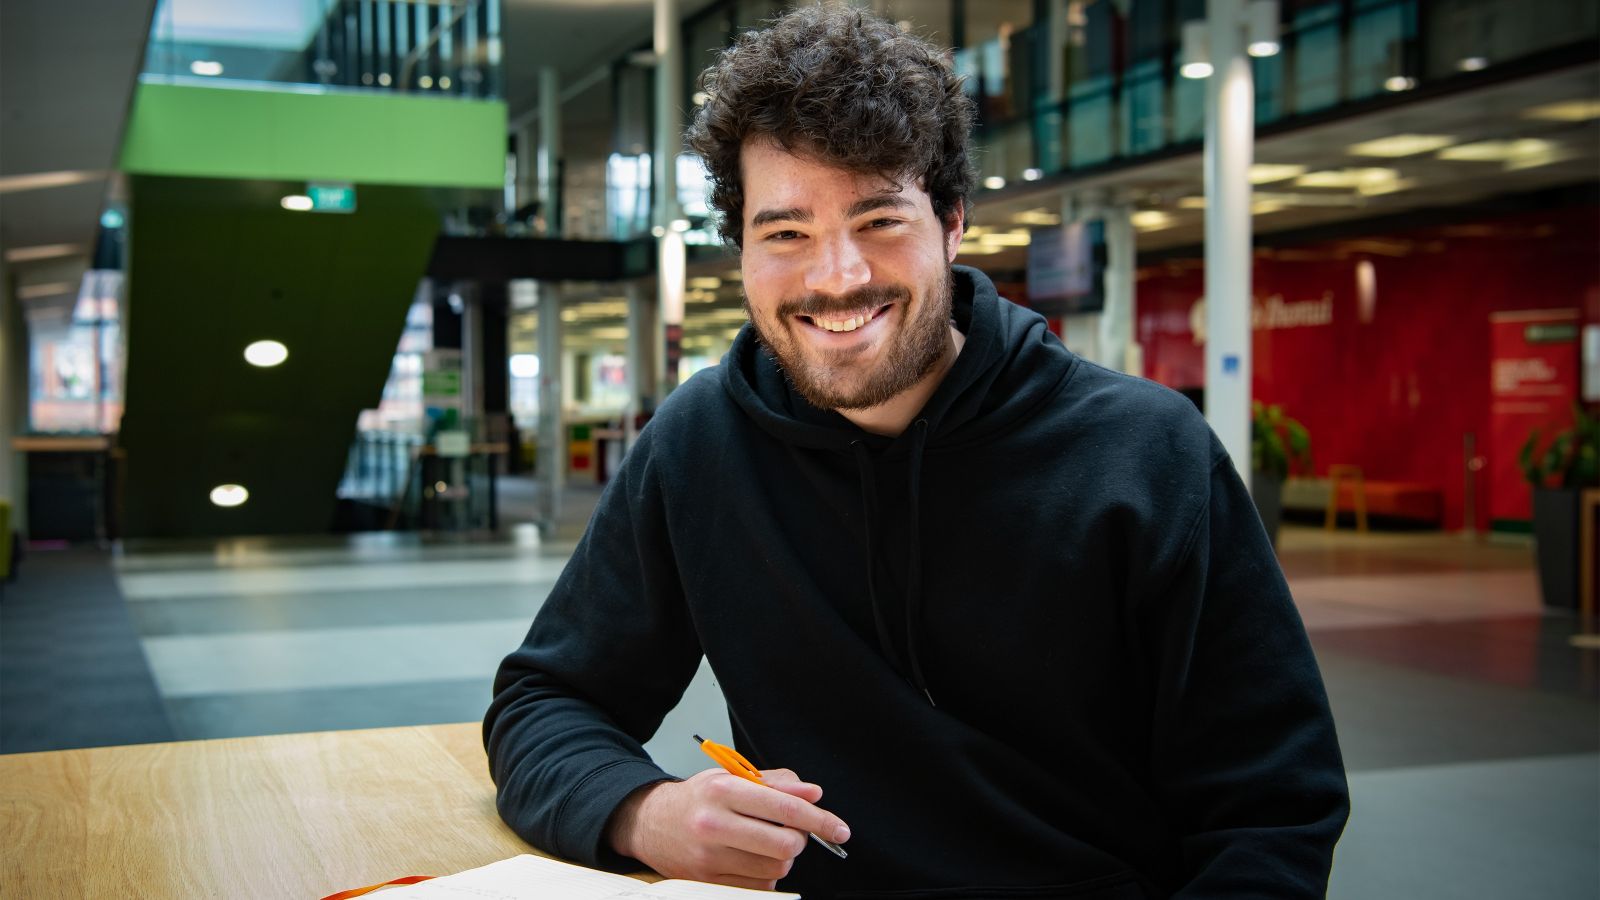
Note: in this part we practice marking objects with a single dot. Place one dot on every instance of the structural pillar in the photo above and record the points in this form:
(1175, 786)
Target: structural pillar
(670, 261)
(13, 402)
(549, 164)
(1230, 133)
(1118, 335)
(641, 356)
(550, 469)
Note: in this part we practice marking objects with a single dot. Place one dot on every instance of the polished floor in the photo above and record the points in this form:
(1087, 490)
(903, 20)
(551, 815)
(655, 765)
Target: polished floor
(1470, 721)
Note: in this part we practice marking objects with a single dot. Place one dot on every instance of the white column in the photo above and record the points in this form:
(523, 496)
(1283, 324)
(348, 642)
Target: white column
(552, 463)
(550, 149)
(1117, 322)
(668, 141)
(1230, 132)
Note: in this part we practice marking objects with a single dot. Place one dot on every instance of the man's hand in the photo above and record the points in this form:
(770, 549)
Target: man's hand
(721, 828)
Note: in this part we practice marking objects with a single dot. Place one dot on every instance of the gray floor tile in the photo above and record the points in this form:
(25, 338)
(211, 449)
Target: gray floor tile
(1478, 831)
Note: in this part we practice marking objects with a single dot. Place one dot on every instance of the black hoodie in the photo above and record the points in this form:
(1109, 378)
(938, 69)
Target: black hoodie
(1038, 645)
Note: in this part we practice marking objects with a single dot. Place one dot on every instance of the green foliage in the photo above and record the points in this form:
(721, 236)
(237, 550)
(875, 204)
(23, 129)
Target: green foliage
(1570, 460)
(1279, 445)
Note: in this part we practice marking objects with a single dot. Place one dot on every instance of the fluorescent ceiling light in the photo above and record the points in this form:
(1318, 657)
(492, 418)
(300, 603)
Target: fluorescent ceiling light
(1497, 151)
(1472, 64)
(1386, 187)
(1565, 111)
(706, 282)
(296, 203)
(1263, 207)
(1266, 173)
(44, 251)
(1150, 220)
(226, 495)
(1398, 145)
(1040, 216)
(1192, 202)
(1398, 83)
(1347, 178)
(1006, 239)
(206, 67)
(971, 249)
(37, 180)
(35, 291)
(266, 354)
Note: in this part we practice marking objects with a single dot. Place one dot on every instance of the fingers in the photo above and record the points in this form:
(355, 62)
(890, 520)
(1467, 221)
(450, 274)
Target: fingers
(776, 804)
(787, 781)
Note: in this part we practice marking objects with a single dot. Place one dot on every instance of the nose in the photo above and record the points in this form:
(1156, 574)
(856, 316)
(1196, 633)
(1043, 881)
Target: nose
(837, 266)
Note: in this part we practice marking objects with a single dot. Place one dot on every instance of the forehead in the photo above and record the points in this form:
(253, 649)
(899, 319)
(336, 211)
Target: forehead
(772, 176)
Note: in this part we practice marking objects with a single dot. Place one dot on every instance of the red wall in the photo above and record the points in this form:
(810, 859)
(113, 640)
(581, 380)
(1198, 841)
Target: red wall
(1395, 394)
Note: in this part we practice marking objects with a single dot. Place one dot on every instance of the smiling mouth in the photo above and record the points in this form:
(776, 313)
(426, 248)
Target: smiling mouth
(844, 323)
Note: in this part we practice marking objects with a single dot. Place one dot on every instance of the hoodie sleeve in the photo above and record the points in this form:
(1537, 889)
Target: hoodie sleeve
(1244, 752)
(608, 655)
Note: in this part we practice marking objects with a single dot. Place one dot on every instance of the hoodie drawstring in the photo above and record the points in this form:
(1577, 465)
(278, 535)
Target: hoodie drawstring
(869, 496)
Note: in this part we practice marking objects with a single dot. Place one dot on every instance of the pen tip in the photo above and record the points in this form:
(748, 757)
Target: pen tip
(699, 740)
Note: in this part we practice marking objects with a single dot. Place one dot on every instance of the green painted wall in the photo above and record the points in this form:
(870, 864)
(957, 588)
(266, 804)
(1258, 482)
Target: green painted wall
(372, 138)
(216, 264)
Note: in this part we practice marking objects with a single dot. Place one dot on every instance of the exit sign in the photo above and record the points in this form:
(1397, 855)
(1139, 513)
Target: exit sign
(332, 198)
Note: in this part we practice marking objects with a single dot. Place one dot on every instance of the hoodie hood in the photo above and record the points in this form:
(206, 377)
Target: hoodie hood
(1009, 366)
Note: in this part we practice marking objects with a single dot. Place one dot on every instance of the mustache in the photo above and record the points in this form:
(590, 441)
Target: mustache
(866, 297)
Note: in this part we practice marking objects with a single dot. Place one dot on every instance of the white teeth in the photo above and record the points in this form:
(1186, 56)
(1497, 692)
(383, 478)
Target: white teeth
(850, 324)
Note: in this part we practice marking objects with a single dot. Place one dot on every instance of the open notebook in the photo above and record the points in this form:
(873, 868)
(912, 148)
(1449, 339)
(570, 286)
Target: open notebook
(528, 877)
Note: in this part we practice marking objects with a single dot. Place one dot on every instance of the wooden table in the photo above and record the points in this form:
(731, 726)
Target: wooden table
(301, 815)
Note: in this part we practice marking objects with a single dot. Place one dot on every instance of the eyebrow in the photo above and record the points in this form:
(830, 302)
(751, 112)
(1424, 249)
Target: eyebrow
(860, 207)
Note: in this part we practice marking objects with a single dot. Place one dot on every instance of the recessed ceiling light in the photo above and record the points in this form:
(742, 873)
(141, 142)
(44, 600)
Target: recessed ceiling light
(1263, 48)
(296, 203)
(1266, 173)
(994, 182)
(1399, 145)
(1472, 64)
(1398, 83)
(227, 495)
(1565, 111)
(206, 67)
(1040, 216)
(1195, 70)
(266, 354)
(1032, 174)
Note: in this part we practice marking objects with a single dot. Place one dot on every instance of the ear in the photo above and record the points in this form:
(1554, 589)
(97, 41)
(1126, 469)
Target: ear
(955, 225)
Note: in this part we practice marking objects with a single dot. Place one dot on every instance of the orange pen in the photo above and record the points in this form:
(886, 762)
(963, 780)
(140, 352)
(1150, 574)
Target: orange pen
(735, 764)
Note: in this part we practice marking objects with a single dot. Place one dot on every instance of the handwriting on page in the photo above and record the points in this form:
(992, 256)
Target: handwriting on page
(527, 877)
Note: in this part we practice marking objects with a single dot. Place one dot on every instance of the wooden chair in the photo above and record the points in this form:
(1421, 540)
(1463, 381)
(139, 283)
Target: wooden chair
(1337, 475)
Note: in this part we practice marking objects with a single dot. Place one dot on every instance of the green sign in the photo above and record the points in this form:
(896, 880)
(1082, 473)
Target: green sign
(446, 383)
(1550, 333)
(332, 198)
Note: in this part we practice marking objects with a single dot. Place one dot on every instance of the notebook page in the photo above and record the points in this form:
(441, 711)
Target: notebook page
(518, 878)
(530, 877)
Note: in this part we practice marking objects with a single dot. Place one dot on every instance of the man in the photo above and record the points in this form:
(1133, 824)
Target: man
(1015, 612)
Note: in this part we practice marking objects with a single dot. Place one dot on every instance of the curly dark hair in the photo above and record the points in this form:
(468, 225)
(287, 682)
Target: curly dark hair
(842, 85)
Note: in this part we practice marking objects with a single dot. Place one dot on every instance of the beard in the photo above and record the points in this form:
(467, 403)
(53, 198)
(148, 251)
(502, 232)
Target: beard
(837, 379)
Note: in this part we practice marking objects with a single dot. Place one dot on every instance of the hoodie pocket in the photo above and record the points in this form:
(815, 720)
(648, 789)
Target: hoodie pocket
(1120, 886)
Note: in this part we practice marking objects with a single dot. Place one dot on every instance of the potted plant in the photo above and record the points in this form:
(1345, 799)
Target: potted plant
(1279, 445)
(1568, 462)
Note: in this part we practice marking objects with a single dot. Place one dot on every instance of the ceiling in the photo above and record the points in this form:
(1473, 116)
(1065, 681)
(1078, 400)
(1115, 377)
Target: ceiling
(67, 73)
(1483, 123)
(1166, 194)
